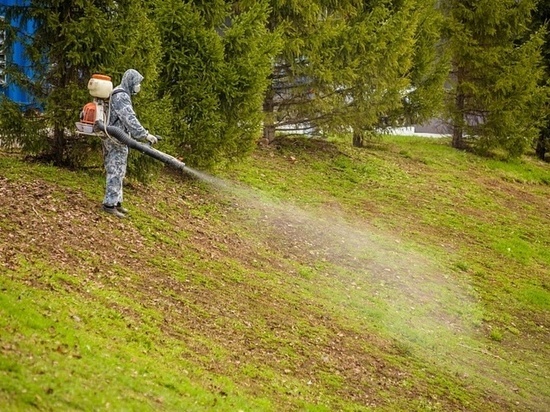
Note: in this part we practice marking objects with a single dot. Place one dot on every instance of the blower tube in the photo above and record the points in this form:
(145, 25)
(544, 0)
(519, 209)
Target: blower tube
(123, 138)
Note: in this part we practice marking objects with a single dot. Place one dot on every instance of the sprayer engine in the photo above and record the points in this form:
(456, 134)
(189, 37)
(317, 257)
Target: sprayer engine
(100, 88)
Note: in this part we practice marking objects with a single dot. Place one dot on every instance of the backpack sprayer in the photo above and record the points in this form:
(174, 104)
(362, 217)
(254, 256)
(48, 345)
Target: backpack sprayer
(94, 121)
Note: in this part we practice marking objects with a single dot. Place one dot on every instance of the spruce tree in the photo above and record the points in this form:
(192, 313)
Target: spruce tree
(217, 58)
(430, 66)
(496, 100)
(354, 64)
(72, 41)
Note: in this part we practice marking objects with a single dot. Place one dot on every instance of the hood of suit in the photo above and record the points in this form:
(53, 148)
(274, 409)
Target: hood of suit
(130, 80)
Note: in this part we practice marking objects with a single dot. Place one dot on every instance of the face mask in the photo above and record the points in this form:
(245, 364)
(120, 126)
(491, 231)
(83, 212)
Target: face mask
(137, 88)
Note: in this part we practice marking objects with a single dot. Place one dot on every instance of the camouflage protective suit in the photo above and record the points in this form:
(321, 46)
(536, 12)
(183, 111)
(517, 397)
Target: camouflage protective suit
(121, 115)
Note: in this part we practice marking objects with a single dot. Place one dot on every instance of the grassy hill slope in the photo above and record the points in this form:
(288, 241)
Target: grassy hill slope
(313, 277)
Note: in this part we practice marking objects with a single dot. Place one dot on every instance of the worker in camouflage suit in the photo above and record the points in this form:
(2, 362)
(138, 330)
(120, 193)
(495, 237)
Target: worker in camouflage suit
(121, 115)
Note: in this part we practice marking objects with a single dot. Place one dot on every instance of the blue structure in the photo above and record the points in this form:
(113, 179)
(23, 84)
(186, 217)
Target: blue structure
(16, 56)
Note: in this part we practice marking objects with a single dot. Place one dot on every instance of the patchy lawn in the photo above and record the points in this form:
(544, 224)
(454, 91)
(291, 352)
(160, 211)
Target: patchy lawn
(314, 276)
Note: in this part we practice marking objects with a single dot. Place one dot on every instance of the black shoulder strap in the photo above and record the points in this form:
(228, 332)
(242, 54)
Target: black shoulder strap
(116, 91)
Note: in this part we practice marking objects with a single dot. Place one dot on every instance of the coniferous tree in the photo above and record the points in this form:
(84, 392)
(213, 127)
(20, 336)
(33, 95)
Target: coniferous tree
(72, 41)
(217, 58)
(430, 66)
(496, 99)
(354, 64)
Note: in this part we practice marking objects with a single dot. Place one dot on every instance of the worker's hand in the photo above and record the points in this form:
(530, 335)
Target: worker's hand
(152, 139)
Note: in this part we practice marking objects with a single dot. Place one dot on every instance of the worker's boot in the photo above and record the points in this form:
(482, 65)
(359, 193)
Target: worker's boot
(121, 209)
(113, 211)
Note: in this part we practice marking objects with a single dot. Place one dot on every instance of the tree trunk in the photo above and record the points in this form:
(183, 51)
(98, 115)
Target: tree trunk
(269, 133)
(357, 138)
(458, 120)
(58, 147)
(458, 137)
(269, 118)
(542, 147)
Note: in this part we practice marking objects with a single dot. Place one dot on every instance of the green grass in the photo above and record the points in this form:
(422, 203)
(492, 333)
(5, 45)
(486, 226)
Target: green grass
(405, 276)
